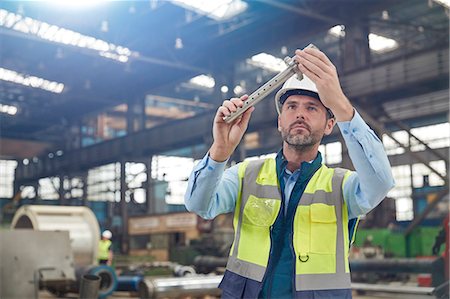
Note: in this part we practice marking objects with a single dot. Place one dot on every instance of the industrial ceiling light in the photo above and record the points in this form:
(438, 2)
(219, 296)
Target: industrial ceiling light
(64, 36)
(381, 44)
(218, 10)
(8, 109)
(267, 62)
(31, 81)
(338, 31)
(203, 81)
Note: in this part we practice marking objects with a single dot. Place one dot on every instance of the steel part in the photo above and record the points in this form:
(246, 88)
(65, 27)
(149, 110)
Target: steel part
(180, 271)
(404, 265)
(30, 260)
(207, 264)
(129, 283)
(89, 286)
(80, 222)
(181, 287)
(108, 278)
(268, 87)
(392, 288)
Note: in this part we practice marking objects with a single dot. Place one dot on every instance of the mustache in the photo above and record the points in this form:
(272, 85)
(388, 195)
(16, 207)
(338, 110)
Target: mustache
(300, 122)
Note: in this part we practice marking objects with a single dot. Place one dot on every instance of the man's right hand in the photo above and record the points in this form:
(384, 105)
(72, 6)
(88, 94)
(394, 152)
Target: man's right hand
(227, 136)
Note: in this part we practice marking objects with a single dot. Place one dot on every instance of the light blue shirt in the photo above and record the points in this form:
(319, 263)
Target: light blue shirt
(212, 190)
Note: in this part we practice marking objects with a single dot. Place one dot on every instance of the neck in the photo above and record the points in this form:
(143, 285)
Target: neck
(296, 155)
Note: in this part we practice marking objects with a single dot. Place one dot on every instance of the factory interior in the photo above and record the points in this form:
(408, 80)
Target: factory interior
(107, 106)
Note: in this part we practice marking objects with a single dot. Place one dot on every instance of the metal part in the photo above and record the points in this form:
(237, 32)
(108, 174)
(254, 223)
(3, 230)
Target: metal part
(206, 264)
(392, 288)
(31, 260)
(80, 222)
(268, 87)
(108, 278)
(403, 265)
(181, 287)
(89, 286)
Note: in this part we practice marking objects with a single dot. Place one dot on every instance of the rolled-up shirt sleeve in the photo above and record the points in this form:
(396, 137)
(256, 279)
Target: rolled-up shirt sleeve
(212, 189)
(369, 184)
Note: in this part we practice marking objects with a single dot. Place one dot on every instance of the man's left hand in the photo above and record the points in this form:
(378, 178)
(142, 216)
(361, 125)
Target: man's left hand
(316, 66)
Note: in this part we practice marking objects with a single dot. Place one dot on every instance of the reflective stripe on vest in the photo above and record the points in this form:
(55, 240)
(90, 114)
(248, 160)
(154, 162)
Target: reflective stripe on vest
(103, 249)
(257, 208)
(321, 213)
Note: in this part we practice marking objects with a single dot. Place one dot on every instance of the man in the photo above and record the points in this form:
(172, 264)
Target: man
(105, 254)
(293, 216)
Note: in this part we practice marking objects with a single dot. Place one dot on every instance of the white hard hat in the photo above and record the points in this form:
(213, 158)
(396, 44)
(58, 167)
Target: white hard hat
(301, 87)
(107, 234)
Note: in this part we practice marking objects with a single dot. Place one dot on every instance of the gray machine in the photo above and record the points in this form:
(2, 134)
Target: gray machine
(30, 260)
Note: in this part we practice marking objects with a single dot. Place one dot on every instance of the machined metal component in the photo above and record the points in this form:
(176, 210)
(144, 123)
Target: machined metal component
(80, 222)
(268, 87)
(181, 287)
(32, 260)
(89, 286)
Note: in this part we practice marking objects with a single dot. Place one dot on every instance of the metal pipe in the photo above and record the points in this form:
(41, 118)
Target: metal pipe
(392, 289)
(89, 286)
(181, 287)
(395, 265)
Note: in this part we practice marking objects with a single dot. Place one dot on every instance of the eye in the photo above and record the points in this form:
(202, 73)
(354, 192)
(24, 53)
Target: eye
(312, 108)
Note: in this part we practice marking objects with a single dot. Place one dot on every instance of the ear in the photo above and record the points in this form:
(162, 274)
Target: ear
(279, 126)
(329, 126)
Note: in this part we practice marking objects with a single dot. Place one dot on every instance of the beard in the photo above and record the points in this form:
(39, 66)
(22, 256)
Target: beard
(303, 140)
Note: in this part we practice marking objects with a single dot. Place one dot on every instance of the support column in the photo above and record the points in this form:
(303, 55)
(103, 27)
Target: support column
(149, 190)
(355, 46)
(123, 208)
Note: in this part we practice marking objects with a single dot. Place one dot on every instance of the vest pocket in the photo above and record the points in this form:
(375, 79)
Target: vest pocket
(260, 211)
(323, 229)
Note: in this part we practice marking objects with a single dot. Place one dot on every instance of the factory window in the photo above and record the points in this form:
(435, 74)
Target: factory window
(331, 152)
(175, 171)
(136, 176)
(104, 183)
(392, 148)
(435, 136)
(402, 192)
(7, 168)
(420, 170)
(48, 188)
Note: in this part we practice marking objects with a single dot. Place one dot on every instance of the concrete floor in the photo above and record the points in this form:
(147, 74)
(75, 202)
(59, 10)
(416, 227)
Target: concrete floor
(127, 295)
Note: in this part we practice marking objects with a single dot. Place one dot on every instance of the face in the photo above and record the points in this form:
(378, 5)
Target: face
(303, 121)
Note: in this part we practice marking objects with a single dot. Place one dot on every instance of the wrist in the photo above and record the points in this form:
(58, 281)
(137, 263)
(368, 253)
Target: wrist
(219, 153)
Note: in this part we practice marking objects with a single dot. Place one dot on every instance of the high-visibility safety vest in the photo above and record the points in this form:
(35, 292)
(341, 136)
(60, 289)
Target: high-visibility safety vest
(103, 249)
(320, 237)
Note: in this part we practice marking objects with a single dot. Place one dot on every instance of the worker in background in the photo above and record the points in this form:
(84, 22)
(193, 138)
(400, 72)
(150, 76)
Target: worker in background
(105, 254)
(291, 213)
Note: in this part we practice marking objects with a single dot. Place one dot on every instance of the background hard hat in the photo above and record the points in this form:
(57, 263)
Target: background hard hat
(107, 234)
(294, 84)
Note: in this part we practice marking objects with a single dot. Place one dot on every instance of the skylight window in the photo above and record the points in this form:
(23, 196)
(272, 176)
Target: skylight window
(445, 3)
(62, 36)
(381, 44)
(268, 62)
(218, 10)
(31, 81)
(8, 109)
(203, 81)
(377, 43)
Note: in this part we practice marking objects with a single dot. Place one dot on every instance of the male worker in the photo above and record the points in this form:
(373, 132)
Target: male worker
(105, 254)
(291, 213)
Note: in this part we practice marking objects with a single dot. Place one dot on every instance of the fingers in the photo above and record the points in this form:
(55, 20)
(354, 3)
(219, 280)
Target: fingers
(316, 62)
(231, 105)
